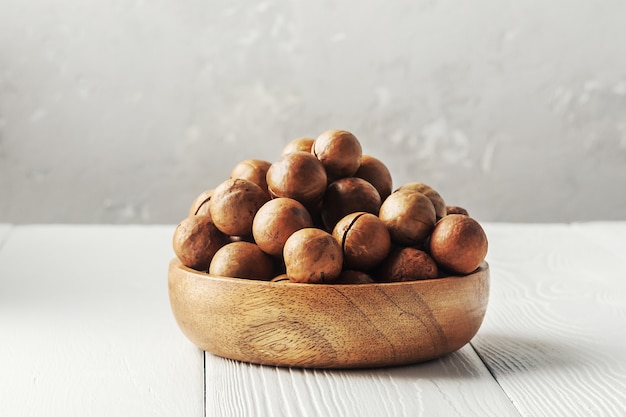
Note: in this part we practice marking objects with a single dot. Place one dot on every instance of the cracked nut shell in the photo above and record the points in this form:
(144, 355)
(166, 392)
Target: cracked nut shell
(200, 205)
(339, 151)
(254, 170)
(364, 239)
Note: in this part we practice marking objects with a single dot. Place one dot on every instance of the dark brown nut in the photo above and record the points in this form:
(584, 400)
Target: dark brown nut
(234, 204)
(242, 260)
(407, 264)
(349, 276)
(254, 170)
(339, 151)
(409, 217)
(312, 256)
(458, 243)
(298, 175)
(456, 210)
(364, 239)
(376, 173)
(195, 241)
(300, 144)
(200, 205)
(348, 195)
(428, 191)
(276, 221)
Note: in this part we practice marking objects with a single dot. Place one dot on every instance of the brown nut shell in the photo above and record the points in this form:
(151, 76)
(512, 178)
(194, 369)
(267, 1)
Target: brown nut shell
(409, 217)
(299, 144)
(254, 170)
(242, 260)
(298, 175)
(428, 191)
(200, 205)
(313, 256)
(456, 210)
(376, 173)
(195, 241)
(458, 243)
(348, 195)
(364, 239)
(339, 151)
(407, 264)
(234, 204)
(275, 221)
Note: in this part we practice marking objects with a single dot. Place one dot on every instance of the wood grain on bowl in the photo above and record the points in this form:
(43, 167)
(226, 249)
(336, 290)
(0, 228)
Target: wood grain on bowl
(328, 326)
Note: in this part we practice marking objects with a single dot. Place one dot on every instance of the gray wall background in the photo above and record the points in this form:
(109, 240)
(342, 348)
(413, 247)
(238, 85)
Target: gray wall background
(123, 111)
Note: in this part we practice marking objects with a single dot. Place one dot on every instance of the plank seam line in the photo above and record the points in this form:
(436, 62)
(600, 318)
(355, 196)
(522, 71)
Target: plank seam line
(493, 375)
(204, 381)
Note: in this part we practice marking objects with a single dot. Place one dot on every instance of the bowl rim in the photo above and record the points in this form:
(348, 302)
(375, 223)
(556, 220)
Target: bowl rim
(176, 263)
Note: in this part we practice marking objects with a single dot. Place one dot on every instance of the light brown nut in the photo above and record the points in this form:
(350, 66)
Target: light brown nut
(428, 191)
(195, 241)
(275, 221)
(458, 243)
(313, 256)
(298, 175)
(376, 173)
(200, 205)
(339, 151)
(242, 260)
(409, 217)
(234, 204)
(254, 170)
(299, 144)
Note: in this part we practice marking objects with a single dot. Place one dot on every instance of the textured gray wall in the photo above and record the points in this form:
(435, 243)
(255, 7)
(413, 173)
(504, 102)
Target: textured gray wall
(123, 111)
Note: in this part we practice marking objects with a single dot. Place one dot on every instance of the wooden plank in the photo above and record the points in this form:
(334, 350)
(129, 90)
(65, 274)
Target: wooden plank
(456, 385)
(86, 325)
(554, 333)
(610, 235)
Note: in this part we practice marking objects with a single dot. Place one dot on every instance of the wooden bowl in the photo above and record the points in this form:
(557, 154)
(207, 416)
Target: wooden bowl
(324, 325)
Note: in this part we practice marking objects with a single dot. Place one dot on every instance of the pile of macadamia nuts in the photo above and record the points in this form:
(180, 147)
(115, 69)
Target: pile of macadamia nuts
(326, 213)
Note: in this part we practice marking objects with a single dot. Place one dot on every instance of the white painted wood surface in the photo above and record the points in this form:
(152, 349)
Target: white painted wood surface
(86, 330)
(555, 331)
(85, 325)
(4, 232)
(553, 343)
(458, 385)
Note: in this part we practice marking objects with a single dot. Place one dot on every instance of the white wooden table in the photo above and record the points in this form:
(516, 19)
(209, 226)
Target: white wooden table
(86, 330)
